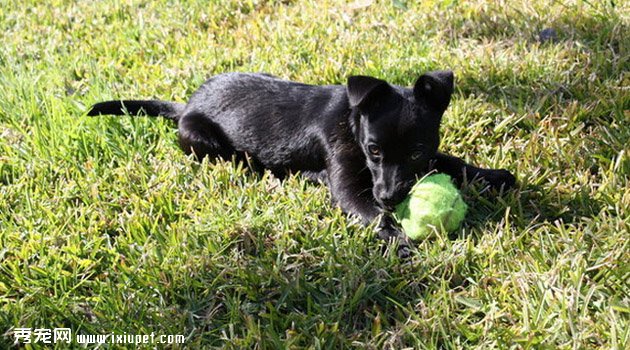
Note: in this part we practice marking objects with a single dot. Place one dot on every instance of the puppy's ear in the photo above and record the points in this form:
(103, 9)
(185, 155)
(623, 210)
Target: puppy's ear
(363, 90)
(435, 88)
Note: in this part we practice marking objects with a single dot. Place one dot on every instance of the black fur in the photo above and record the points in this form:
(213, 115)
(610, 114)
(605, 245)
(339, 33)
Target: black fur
(368, 141)
(169, 110)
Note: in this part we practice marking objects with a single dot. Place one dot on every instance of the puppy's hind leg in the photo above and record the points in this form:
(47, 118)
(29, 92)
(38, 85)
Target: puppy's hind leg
(200, 136)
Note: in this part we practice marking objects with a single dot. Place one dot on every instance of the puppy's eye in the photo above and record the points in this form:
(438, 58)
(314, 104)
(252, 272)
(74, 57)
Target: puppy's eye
(374, 150)
(416, 155)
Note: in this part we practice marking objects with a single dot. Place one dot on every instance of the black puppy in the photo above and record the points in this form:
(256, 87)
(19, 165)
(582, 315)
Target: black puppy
(368, 141)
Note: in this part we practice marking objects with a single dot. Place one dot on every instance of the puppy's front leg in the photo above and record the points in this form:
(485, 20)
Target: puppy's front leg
(351, 187)
(460, 170)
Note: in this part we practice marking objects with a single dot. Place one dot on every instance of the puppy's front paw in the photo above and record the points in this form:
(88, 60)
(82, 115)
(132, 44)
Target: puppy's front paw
(499, 178)
(404, 250)
(391, 234)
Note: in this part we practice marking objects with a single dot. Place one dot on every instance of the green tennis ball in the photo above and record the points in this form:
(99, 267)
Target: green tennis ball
(433, 203)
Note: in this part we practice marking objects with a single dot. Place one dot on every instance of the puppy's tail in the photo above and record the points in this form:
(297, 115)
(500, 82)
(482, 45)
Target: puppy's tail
(153, 108)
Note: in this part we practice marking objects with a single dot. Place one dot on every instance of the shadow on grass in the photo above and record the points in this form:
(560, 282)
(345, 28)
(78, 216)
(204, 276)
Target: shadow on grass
(541, 205)
(529, 205)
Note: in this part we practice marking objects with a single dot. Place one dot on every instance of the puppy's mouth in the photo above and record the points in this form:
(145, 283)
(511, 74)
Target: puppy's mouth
(387, 208)
(389, 204)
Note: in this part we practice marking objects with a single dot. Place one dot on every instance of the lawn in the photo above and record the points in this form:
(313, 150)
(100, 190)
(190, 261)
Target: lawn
(107, 228)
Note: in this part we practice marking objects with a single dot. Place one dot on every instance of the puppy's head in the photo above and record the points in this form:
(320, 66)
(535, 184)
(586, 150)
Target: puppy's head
(398, 129)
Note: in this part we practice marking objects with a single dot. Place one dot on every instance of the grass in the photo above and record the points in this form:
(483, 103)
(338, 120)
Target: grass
(106, 227)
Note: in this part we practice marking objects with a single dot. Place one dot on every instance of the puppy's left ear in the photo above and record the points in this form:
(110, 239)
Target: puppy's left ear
(435, 88)
(363, 90)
